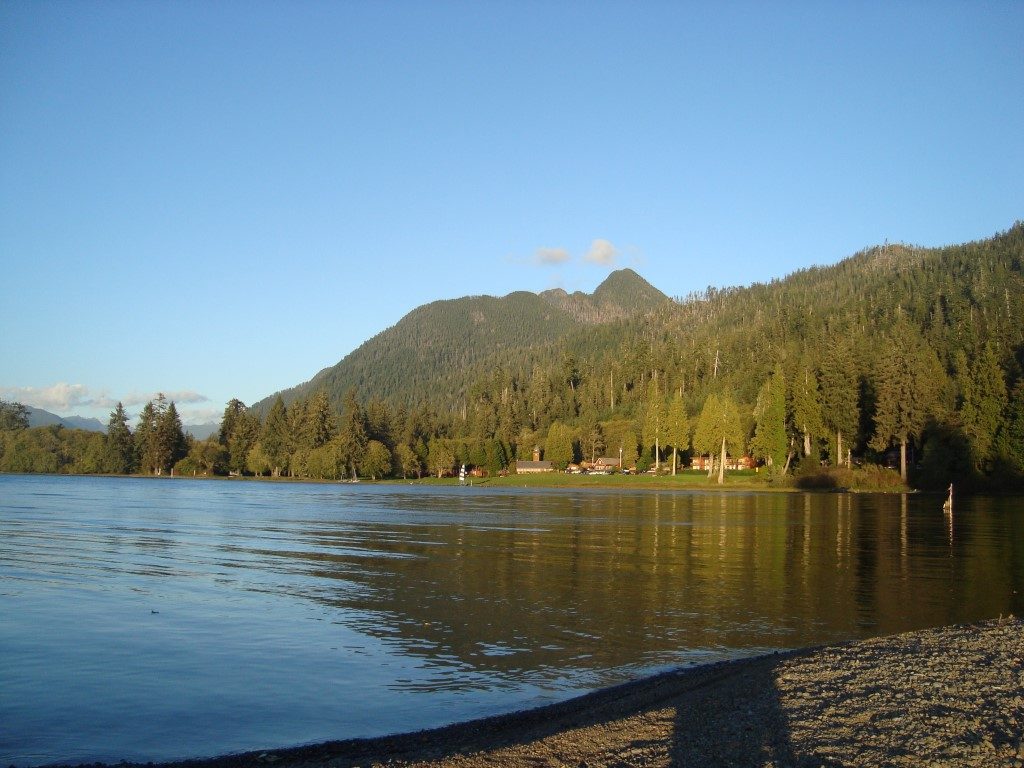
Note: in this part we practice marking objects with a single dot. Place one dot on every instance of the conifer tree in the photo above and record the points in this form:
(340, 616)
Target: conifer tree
(299, 429)
(321, 421)
(770, 442)
(909, 383)
(275, 439)
(229, 421)
(378, 420)
(119, 454)
(239, 431)
(496, 456)
(1009, 447)
(145, 439)
(806, 402)
(172, 445)
(146, 436)
(983, 399)
(677, 431)
(654, 420)
(840, 395)
(352, 437)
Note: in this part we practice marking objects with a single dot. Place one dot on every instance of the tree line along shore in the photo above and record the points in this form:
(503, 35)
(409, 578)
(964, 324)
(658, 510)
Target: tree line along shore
(802, 432)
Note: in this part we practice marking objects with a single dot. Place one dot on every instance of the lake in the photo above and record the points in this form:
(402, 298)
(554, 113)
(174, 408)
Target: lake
(154, 619)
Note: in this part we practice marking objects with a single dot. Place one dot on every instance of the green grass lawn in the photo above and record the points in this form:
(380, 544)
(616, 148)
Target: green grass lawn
(871, 479)
(686, 479)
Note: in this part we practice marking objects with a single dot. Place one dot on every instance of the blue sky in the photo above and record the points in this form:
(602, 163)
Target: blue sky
(217, 200)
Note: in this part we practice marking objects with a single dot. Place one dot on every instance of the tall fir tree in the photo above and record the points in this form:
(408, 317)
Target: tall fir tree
(172, 445)
(909, 383)
(233, 412)
(146, 437)
(840, 399)
(275, 439)
(983, 400)
(654, 420)
(771, 442)
(119, 454)
(1009, 445)
(299, 426)
(677, 428)
(806, 404)
(352, 437)
(239, 431)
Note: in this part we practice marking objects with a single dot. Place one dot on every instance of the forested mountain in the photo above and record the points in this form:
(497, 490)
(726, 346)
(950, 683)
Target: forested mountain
(897, 355)
(442, 346)
(918, 349)
(957, 297)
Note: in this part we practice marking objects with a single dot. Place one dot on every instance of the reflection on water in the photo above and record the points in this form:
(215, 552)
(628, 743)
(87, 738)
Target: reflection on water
(152, 619)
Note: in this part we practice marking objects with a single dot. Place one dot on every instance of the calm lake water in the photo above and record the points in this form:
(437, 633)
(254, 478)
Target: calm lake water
(150, 619)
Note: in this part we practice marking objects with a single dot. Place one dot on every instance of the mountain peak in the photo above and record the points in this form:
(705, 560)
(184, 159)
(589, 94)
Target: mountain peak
(622, 294)
(626, 289)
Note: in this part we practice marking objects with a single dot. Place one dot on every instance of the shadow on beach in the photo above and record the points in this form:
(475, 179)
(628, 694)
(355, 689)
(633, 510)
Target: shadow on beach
(737, 720)
(726, 714)
(945, 696)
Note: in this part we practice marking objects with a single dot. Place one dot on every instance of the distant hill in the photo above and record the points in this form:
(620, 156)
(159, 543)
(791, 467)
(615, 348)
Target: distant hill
(202, 431)
(37, 417)
(438, 348)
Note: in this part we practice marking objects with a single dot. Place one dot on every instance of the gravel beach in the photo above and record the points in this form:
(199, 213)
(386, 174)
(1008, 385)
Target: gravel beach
(952, 696)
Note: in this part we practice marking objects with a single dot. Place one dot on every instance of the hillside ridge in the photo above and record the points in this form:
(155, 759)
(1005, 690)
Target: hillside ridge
(434, 343)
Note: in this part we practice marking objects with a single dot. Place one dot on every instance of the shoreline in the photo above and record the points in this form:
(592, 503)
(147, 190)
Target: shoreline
(950, 695)
(690, 482)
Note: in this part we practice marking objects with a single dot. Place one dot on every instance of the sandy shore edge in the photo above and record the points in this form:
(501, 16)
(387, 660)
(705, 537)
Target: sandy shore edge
(945, 696)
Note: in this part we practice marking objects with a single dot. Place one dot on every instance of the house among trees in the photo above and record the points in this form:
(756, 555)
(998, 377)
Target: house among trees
(703, 463)
(528, 467)
(606, 464)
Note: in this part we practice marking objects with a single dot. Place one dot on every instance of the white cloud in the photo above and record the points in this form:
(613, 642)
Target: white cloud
(186, 396)
(200, 415)
(63, 398)
(137, 398)
(602, 252)
(183, 396)
(58, 397)
(551, 255)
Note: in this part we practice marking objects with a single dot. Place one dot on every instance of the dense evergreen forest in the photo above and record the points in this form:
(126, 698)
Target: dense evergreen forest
(901, 355)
